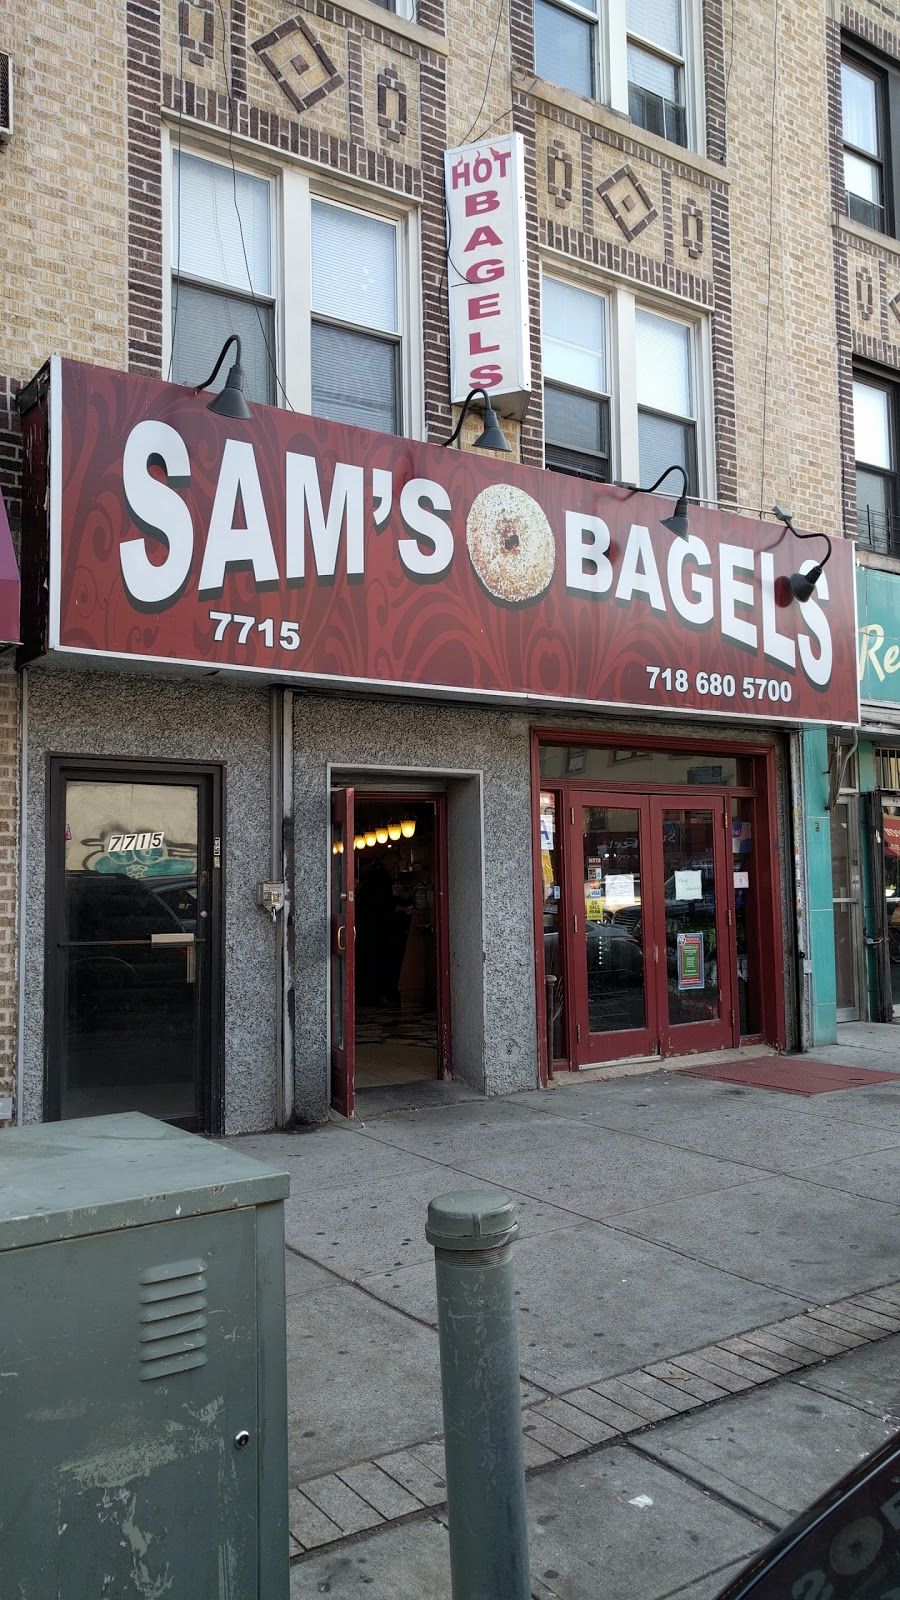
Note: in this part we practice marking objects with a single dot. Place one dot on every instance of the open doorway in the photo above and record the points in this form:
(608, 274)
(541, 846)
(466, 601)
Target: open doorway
(400, 943)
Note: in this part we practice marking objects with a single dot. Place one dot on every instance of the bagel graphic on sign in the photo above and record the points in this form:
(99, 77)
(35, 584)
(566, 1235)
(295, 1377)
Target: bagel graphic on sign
(510, 544)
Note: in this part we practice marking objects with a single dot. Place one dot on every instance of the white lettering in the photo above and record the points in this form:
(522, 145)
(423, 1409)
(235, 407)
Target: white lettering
(698, 611)
(227, 546)
(304, 500)
(643, 579)
(816, 667)
(775, 645)
(587, 565)
(428, 525)
(159, 512)
(735, 593)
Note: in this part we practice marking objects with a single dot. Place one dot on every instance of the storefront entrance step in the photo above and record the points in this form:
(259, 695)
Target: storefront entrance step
(642, 1066)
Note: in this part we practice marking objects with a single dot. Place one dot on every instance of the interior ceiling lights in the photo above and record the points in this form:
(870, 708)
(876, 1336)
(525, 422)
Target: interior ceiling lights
(384, 832)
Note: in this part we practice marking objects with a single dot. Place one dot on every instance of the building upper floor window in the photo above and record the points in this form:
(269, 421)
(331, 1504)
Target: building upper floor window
(633, 56)
(318, 289)
(222, 272)
(630, 423)
(576, 394)
(864, 128)
(355, 319)
(875, 445)
(656, 67)
(665, 386)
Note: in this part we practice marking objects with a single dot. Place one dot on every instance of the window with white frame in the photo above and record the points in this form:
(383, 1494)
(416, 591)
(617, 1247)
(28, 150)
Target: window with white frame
(633, 55)
(355, 341)
(630, 422)
(318, 289)
(666, 414)
(222, 272)
(656, 67)
(576, 392)
(875, 435)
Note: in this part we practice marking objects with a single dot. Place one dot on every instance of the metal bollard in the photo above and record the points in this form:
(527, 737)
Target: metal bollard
(472, 1234)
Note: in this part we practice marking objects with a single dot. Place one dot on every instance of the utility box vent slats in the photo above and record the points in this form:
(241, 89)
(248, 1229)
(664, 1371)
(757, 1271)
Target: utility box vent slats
(6, 106)
(172, 1318)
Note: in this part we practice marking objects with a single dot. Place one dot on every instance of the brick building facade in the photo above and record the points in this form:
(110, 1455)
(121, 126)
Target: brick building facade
(726, 232)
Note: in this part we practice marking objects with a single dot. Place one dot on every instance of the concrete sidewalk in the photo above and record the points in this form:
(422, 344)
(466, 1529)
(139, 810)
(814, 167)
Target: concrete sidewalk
(661, 1215)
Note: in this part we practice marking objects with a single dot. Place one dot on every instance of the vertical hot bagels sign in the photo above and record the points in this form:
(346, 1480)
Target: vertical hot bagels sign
(487, 275)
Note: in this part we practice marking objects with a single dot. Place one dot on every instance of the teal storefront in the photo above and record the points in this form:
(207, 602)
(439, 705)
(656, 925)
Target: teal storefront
(851, 829)
(878, 605)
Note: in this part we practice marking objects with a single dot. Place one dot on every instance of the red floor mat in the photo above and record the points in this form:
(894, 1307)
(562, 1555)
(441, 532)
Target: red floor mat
(790, 1074)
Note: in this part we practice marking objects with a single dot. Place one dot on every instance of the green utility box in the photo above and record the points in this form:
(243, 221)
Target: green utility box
(143, 1407)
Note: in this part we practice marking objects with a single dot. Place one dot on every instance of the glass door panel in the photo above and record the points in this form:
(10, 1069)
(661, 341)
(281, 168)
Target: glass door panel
(697, 926)
(846, 885)
(343, 954)
(133, 928)
(552, 914)
(744, 880)
(609, 933)
(891, 847)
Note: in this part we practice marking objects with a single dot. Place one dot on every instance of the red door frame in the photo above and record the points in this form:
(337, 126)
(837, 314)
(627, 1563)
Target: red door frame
(767, 935)
(719, 1032)
(342, 951)
(407, 797)
(585, 1049)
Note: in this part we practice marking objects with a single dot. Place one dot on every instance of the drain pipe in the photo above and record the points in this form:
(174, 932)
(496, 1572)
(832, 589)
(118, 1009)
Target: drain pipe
(803, 990)
(23, 896)
(281, 833)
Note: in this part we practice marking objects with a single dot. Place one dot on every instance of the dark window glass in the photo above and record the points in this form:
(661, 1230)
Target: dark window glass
(625, 766)
(202, 321)
(564, 46)
(354, 378)
(862, 107)
(876, 478)
(576, 434)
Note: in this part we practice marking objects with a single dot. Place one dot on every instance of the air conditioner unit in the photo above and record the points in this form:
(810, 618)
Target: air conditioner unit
(6, 96)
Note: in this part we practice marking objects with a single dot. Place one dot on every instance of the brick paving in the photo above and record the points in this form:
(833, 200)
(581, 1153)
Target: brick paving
(408, 1483)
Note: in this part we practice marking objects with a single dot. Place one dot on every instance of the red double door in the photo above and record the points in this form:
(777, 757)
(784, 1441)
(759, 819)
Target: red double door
(652, 959)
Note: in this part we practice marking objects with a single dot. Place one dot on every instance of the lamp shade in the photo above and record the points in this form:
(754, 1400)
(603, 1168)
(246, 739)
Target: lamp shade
(678, 522)
(359, 842)
(493, 437)
(370, 838)
(408, 827)
(803, 584)
(394, 831)
(381, 834)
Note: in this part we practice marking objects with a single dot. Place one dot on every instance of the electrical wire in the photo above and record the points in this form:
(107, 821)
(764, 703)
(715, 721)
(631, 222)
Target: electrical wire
(177, 203)
(253, 296)
(487, 81)
(774, 123)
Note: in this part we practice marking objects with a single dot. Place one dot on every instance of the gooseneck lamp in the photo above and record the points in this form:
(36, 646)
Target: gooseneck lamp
(678, 522)
(803, 584)
(492, 438)
(230, 401)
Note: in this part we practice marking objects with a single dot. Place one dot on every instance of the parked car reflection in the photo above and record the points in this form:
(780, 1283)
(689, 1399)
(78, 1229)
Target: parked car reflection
(845, 1547)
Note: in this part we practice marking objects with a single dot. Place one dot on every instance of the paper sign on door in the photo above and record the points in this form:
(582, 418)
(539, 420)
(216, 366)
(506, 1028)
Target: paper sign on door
(620, 888)
(688, 886)
(690, 961)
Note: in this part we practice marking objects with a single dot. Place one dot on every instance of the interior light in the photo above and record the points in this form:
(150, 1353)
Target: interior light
(394, 831)
(381, 834)
(370, 839)
(359, 842)
(408, 827)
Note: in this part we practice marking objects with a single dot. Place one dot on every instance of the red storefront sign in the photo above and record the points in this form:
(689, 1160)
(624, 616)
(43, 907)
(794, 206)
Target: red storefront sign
(304, 549)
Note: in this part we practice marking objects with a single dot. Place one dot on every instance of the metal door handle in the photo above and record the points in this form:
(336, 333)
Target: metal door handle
(342, 938)
(172, 938)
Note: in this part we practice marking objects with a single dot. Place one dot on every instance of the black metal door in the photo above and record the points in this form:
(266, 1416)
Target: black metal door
(133, 940)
